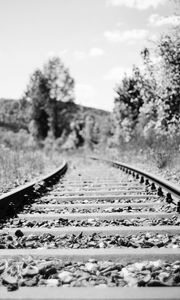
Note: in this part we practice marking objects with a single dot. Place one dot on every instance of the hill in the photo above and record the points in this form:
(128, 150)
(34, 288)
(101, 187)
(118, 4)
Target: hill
(15, 115)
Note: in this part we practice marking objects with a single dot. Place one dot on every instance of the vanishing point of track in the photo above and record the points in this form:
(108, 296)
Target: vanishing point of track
(93, 229)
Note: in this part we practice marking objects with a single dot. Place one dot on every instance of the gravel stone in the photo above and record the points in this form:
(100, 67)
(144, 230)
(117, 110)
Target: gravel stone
(19, 233)
(30, 271)
(52, 282)
(65, 277)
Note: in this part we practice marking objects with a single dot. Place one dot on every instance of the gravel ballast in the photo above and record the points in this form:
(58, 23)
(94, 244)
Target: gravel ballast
(41, 272)
(110, 209)
(95, 240)
(61, 222)
(58, 200)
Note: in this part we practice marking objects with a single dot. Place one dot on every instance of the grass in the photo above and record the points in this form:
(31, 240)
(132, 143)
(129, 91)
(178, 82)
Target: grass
(21, 161)
(18, 167)
(163, 162)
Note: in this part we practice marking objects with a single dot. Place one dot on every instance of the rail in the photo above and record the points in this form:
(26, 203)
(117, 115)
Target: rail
(170, 188)
(11, 200)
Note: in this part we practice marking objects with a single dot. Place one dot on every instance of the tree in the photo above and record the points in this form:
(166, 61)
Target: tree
(127, 105)
(160, 112)
(37, 94)
(147, 104)
(59, 82)
(147, 118)
(45, 89)
(60, 88)
(90, 131)
(168, 49)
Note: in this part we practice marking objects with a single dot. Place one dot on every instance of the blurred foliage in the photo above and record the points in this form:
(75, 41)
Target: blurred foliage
(147, 103)
(14, 114)
(127, 104)
(22, 159)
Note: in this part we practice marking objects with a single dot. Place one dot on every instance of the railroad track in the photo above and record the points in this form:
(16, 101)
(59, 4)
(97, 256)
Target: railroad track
(104, 230)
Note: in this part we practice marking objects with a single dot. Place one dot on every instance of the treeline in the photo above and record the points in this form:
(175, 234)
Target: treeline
(147, 103)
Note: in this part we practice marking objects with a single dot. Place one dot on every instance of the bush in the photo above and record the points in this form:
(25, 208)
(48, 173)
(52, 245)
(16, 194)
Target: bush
(162, 158)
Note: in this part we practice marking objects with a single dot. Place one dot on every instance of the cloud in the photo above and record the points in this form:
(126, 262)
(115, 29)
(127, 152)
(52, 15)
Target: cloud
(119, 24)
(117, 73)
(63, 52)
(126, 36)
(93, 52)
(51, 54)
(96, 52)
(154, 37)
(85, 93)
(80, 55)
(156, 20)
(138, 4)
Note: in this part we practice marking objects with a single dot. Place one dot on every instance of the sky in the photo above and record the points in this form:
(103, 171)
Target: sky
(98, 40)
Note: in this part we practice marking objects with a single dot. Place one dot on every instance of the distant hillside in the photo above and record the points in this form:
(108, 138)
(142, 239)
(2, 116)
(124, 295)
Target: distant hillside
(15, 114)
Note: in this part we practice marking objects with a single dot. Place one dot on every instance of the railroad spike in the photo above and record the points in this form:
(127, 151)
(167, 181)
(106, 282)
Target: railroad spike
(169, 198)
(153, 187)
(142, 179)
(178, 207)
(147, 182)
(160, 192)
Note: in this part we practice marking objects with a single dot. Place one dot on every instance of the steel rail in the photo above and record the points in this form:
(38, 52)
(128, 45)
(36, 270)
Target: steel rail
(11, 200)
(171, 188)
